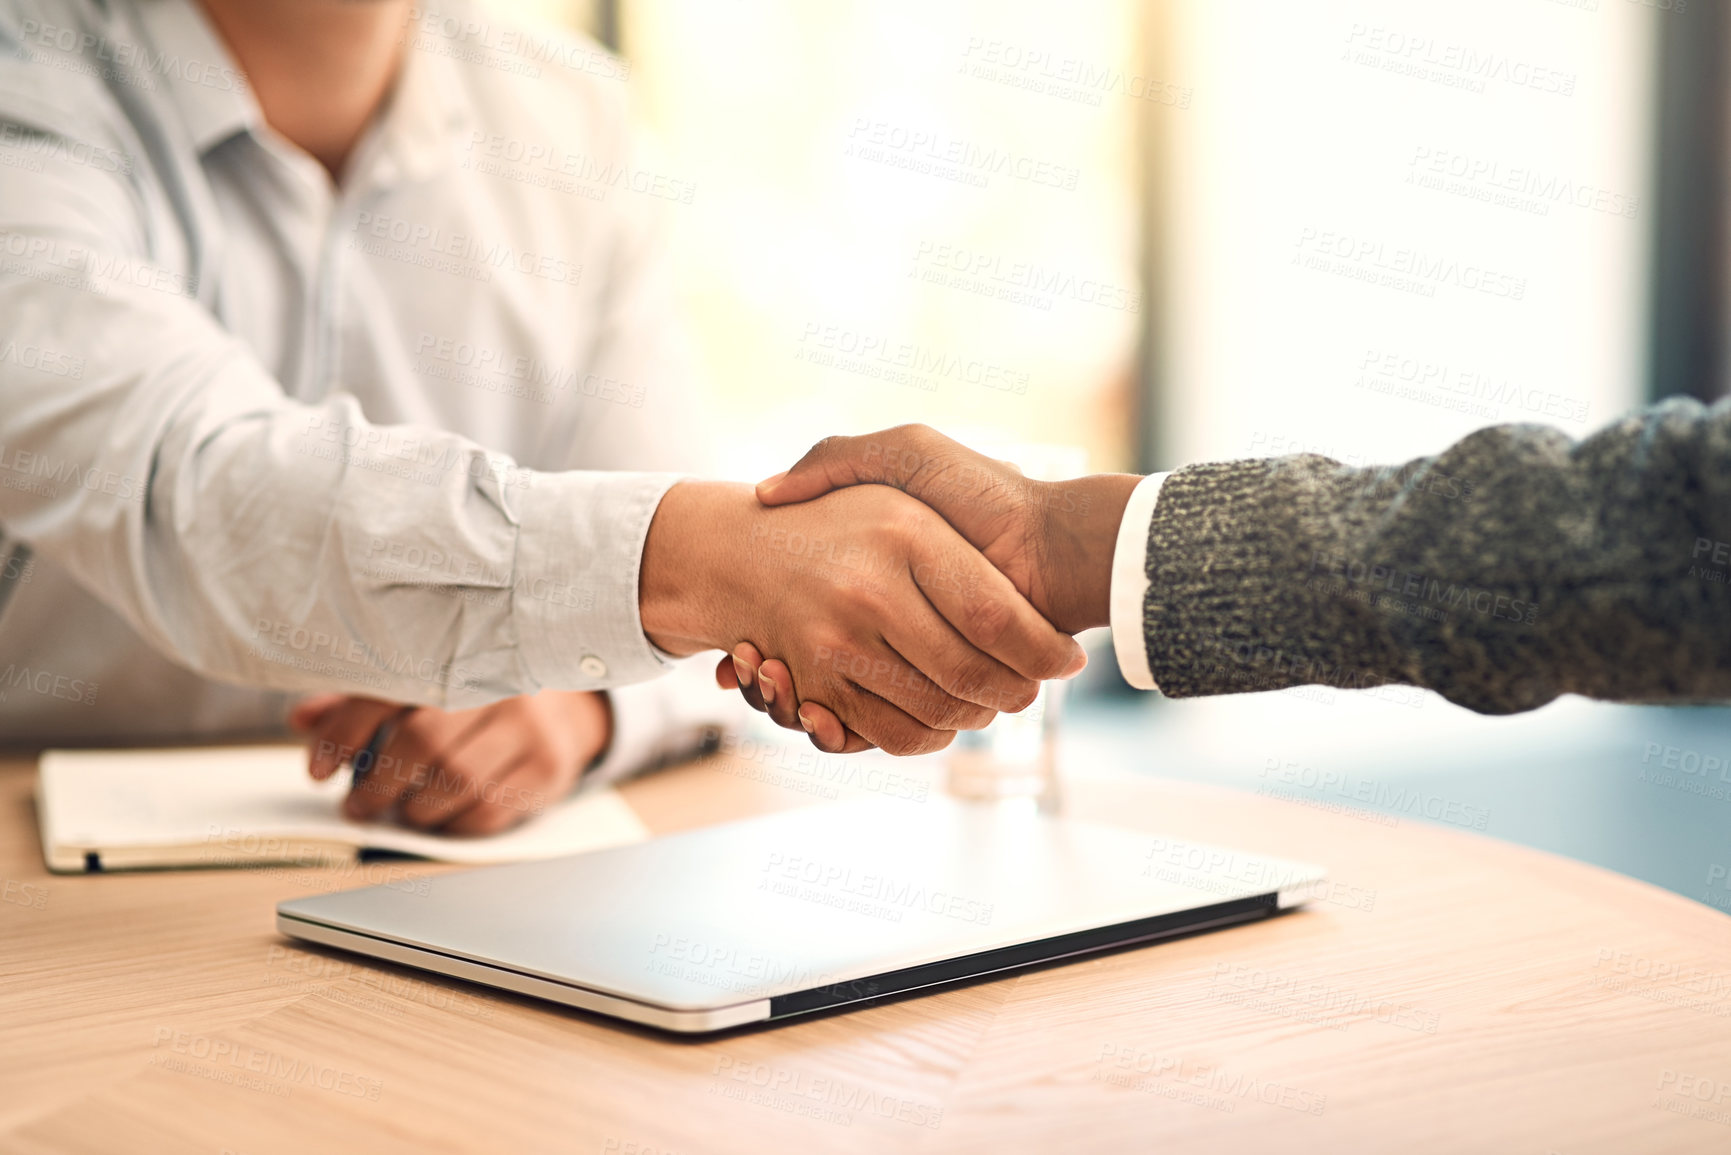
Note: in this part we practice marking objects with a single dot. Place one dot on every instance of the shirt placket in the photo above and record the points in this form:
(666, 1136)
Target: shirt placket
(327, 290)
(372, 172)
(342, 206)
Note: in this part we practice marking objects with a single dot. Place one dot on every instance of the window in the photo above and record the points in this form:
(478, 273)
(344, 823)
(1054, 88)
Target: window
(903, 212)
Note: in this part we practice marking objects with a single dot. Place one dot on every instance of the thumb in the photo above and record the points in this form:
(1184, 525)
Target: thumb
(834, 463)
(814, 475)
(769, 489)
(801, 483)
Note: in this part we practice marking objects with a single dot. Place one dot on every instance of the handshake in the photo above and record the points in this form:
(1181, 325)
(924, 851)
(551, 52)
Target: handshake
(888, 590)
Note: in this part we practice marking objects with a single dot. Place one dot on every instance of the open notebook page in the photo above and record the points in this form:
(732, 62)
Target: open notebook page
(256, 804)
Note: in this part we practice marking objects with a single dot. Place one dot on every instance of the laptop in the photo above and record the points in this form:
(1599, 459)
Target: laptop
(805, 910)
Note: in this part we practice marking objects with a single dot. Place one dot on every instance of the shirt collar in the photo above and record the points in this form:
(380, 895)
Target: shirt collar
(420, 119)
(207, 87)
(414, 129)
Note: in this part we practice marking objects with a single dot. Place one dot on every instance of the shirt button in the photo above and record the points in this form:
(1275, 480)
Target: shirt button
(592, 666)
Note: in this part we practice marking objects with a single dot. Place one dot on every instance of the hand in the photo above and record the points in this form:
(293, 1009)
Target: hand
(767, 687)
(1053, 540)
(878, 608)
(475, 771)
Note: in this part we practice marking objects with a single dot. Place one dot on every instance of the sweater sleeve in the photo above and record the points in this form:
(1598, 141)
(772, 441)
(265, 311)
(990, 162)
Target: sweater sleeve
(1515, 566)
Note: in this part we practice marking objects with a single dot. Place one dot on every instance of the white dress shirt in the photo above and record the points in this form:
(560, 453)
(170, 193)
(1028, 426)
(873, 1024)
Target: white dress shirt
(262, 434)
(1130, 582)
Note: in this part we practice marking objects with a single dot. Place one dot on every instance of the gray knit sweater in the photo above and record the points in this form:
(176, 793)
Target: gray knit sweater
(1515, 566)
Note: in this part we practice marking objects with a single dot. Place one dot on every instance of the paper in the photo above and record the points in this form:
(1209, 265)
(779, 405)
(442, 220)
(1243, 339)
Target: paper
(256, 804)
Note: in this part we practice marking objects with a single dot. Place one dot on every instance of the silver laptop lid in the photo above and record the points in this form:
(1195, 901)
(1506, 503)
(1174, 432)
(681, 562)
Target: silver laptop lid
(807, 900)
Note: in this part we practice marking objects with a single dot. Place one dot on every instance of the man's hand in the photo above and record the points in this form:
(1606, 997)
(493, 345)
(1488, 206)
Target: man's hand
(1053, 540)
(458, 771)
(876, 606)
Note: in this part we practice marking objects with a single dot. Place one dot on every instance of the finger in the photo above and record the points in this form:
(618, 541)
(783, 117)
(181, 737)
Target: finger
(484, 818)
(833, 463)
(954, 671)
(909, 457)
(725, 675)
(888, 727)
(827, 732)
(745, 659)
(970, 594)
(778, 693)
(306, 713)
(982, 497)
(893, 677)
(465, 774)
(817, 720)
(345, 731)
(410, 756)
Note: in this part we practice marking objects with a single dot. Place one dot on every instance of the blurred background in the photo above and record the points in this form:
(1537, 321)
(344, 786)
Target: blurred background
(1172, 230)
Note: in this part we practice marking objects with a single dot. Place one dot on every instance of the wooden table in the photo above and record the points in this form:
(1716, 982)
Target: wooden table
(1449, 993)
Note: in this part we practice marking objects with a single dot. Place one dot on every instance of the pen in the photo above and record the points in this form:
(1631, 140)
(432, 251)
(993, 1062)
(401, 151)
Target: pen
(363, 761)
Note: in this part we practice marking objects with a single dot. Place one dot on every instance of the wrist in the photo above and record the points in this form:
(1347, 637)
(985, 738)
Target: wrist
(686, 595)
(589, 714)
(1082, 520)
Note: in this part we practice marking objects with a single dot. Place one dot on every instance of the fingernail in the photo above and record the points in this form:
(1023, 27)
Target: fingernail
(742, 672)
(768, 691)
(806, 722)
(1076, 666)
(772, 482)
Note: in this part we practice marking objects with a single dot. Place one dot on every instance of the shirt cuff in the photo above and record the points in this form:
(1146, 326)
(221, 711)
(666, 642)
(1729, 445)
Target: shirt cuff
(1130, 582)
(574, 595)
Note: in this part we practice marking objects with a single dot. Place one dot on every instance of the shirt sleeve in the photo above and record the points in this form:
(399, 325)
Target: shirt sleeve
(666, 721)
(1514, 566)
(251, 537)
(1130, 582)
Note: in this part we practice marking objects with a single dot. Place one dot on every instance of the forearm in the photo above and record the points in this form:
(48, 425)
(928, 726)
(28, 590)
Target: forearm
(1513, 567)
(274, 544)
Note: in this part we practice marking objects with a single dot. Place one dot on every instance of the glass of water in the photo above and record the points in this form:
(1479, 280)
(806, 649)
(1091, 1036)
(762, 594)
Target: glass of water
(1016, 756)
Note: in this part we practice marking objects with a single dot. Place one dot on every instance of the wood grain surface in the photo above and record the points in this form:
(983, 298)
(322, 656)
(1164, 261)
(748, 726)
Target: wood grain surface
(1446, 993)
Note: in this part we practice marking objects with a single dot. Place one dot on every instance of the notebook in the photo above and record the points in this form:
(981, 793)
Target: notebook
(256, 805)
